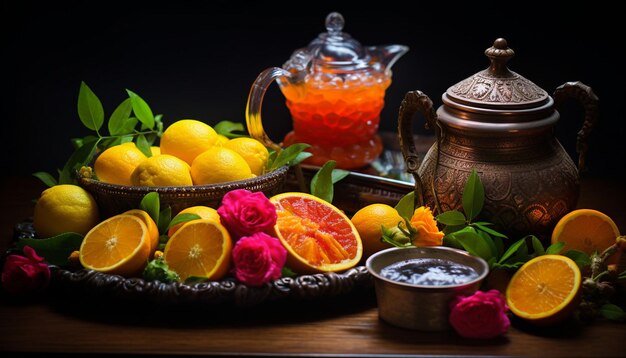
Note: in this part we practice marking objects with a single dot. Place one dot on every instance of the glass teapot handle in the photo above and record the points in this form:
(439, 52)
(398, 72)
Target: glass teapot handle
(413, 102)
(255, 101)
(583, 94)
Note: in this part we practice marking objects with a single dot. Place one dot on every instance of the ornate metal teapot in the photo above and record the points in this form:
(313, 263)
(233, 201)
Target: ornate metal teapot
(500, 124)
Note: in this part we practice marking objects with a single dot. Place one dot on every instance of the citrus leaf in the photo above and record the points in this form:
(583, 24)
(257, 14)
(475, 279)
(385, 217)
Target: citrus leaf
(338, 174)
(227, 128)
(119, 118)
(473, 196)
(451, 241)
(322, 184)
(55, 250)
(195, 279)
(165, 216)
(555, 248)
(76, 142)
(512, 250)
(537, 246)
(489, 230)
(449, 229)
(612, 312)
(141, 109)
(150, 203)
(452, 217)
(183, 218)
(287, 155)
(46, 178)
(580, 258)
(287, 272)
(473, 243)
(489, 241)
(143, 145)
(82, 156)
(90, 109)
(499, 246)
(406, 206)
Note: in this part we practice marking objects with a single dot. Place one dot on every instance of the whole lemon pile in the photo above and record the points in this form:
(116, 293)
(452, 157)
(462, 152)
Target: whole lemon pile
(191, 152)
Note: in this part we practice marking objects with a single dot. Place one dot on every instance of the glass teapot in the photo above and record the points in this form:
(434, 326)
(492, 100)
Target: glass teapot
(334, 89)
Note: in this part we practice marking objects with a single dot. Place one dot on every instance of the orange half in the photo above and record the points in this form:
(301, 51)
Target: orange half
(317, 235)
(153, 230)
(545, 290)
(118, 245)
(199, 248)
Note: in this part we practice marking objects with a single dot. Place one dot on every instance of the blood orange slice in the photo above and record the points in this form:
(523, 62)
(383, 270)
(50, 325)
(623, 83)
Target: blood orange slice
(317, 235)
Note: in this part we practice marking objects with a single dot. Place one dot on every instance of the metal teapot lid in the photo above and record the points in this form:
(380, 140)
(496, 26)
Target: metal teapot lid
(498, 90)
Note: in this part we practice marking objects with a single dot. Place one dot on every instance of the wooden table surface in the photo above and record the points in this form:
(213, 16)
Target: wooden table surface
(346, 325)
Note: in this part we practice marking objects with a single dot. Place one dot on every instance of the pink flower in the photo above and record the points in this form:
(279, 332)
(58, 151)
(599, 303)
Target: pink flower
(258, 259)
(244, 213)
(24, 274)
(482, 315)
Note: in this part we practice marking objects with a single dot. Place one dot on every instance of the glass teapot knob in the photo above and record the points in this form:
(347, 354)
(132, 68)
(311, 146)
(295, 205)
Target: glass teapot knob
(334, 23)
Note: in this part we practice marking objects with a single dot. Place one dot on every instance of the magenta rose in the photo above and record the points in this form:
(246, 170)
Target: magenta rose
(257, 259)
(244, 213)
(24, 274)
(482, 315)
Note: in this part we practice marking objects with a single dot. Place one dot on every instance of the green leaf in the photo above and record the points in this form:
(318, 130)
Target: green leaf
(452, 217)
(90, 109)
(555, 248)
(287, 272)
(183, 218)
(76, 142)
(406, 206)
(195, 279)
(612, 312)
(580, 258)
(489, 230)
(301, 157)
(228, 129)
(451, 241)
(157, 269)
(512, 250)
(473, 243)
(499, 246)
(537, 246)
(449, 229)
(119, 118)
(81, 156)
(143, 145)
(489, 241)
(165, 216)
(55, 250)
(338, 174)
(322, 184)
(141, 109)
(151, 204)
(46, 178)
(473, 196)
(288, 154)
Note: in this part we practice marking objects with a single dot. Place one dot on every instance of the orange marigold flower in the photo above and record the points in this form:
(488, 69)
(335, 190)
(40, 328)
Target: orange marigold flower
(428, 233)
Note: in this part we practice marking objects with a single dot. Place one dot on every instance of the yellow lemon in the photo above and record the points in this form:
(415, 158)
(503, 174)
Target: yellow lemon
(65, 208)
(187, 138)
(155, 150)
(253, 151)
(115, 164)
(162, 170)
(219, 165)
(221, 139)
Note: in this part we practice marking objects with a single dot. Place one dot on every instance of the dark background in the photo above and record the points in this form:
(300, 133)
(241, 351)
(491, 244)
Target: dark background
(198, 60)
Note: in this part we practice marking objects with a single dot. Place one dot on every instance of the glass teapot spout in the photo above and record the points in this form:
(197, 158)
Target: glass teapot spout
(387, 55)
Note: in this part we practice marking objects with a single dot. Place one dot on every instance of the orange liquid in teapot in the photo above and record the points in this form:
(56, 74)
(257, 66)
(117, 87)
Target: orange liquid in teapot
(338, 118)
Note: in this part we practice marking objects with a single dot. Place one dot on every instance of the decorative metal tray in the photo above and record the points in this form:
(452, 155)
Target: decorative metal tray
(351, 193)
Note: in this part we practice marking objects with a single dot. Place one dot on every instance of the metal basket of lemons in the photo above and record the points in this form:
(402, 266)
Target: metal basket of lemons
(187, 163)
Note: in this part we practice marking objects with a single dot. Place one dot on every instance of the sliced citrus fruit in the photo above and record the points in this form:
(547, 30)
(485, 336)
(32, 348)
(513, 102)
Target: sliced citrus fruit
(317, 235)
(545, 290)
(118, 245)
(153, 230)
(204, 212)
(586, 230)
(199, 248)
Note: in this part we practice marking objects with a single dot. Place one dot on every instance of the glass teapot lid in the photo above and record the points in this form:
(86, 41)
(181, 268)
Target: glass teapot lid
(331, 51)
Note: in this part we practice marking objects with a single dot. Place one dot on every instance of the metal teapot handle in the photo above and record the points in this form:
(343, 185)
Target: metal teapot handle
(583, 94)
(255, 101)
(413, 102)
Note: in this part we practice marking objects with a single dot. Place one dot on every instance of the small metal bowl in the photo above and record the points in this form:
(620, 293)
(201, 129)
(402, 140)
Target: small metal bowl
(420, 307)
